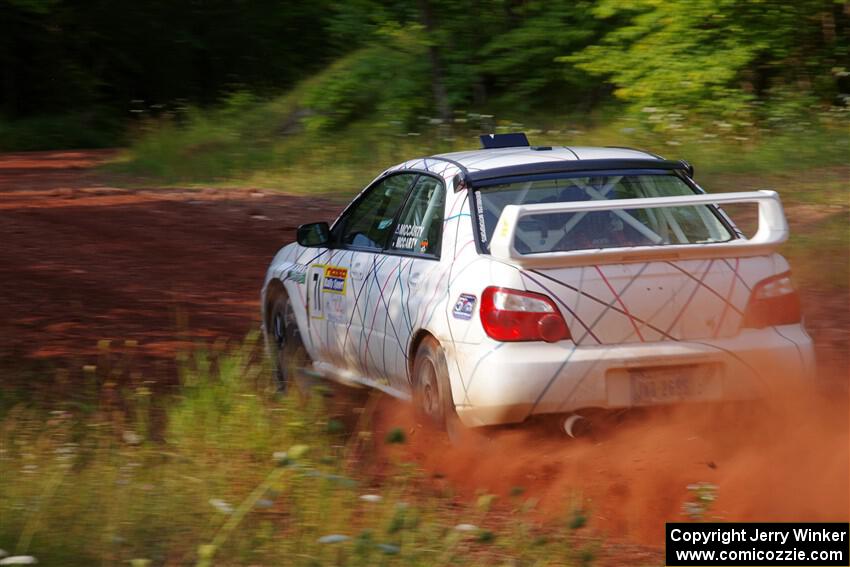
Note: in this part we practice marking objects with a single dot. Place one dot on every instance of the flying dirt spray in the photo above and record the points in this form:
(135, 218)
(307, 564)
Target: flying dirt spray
(782, 458)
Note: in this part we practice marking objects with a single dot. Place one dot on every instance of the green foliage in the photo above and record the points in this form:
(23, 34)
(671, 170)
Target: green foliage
(71, 130)
(127, 56)
(386, 81)
(266, 143)
(216, 143)
(234, 475)
(520, 61)
(739, 84)
(711, 61)
(681, 67)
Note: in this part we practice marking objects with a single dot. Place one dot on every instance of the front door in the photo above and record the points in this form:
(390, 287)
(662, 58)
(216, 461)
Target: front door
(351, 287)
(327, 283)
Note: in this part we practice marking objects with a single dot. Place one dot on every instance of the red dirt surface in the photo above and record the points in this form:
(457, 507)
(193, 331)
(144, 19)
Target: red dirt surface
(787, 459)
(83, 262)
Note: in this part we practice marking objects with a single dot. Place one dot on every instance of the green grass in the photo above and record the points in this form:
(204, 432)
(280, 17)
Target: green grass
(819, 254)
(284, 144)
(817, 205)
(226, 472)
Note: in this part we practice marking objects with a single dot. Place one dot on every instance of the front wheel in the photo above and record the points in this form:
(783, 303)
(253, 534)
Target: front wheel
(432, 394)
(285, 345)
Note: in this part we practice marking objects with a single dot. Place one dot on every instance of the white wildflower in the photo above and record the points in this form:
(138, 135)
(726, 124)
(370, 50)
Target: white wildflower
(372, 498)
(19, 560)
(466, 528)
(221, 505)
(389, 548)
(333, 538)
(131, 438)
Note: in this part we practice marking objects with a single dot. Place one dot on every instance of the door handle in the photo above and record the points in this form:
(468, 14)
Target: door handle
(415, 278)
(357, 271)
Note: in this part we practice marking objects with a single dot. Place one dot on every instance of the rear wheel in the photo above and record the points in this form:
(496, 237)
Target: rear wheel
(285, 345)
(432, 394)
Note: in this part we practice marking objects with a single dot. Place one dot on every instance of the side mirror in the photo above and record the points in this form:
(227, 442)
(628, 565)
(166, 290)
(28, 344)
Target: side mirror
(313, 234)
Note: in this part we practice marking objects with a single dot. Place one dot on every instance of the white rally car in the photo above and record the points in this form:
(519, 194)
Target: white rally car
(515, 281)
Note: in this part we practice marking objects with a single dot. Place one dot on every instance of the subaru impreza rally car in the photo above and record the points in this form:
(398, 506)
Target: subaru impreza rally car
(514, 281)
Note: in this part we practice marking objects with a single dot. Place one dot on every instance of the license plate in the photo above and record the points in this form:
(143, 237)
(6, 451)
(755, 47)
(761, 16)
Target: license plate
(671, 383)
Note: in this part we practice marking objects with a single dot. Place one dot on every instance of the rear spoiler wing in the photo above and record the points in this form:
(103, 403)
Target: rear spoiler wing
(772, 231)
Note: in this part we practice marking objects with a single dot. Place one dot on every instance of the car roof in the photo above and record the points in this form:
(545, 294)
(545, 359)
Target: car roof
(479, 160)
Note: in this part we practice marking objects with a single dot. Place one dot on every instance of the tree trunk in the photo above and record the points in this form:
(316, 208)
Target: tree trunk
(438, 85)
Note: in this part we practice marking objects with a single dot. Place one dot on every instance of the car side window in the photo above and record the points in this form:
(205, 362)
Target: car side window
(420, 226)
(369, 222)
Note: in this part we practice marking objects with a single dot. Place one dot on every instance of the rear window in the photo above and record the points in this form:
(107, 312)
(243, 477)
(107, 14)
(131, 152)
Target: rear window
(551, 232)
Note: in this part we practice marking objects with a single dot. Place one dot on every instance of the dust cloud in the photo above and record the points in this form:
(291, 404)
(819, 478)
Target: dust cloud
(782, 458)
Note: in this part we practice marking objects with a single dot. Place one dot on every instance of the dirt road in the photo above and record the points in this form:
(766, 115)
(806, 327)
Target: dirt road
(83, 262)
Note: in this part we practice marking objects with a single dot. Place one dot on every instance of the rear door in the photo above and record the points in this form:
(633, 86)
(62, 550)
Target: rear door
(412, 254)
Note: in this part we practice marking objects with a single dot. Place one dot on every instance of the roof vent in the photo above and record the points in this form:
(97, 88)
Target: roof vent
(493, 141)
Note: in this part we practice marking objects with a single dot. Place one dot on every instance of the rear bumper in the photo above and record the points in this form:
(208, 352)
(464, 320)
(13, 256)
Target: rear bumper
(508, 382)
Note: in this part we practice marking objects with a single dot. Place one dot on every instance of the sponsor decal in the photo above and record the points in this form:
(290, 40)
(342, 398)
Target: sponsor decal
(314, 291)
(298, 273)
(482, 230)
(464, 306)
(407, 236)
(334, 280)
(335, 308)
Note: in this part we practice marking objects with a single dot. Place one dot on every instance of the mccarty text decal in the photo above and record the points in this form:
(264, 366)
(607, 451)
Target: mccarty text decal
(407, 236)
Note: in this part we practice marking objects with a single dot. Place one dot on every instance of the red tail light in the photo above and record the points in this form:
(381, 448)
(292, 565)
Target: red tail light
(774, 301)
(513, 315)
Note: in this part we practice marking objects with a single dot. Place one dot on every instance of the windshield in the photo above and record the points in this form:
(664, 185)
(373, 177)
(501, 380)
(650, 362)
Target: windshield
(551, 232)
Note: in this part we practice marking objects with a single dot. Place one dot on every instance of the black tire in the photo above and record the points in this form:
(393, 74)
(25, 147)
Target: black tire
(286, 348)
(432, 393)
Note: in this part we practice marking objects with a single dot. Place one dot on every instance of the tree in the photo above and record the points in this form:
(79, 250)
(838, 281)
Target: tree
(711, 59)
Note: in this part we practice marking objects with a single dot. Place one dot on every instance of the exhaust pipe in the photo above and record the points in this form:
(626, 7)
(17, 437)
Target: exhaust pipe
(576, 425)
